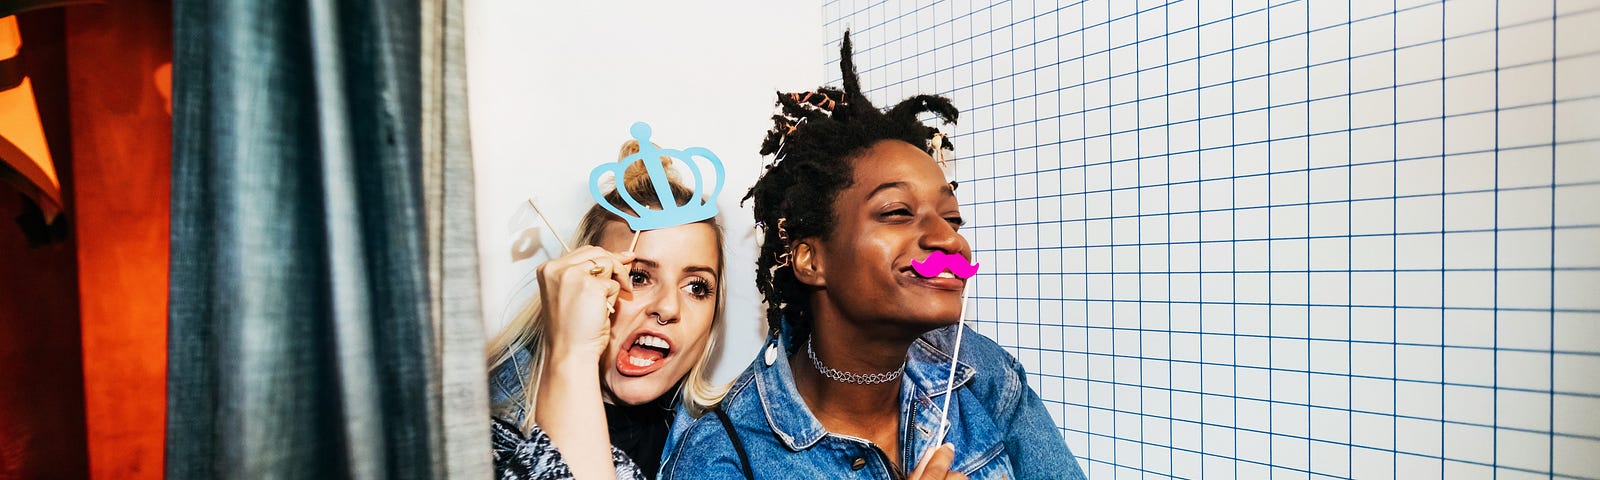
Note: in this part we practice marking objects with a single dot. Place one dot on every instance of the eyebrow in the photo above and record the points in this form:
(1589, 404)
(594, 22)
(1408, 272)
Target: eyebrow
(692, 268)
(701, 268)
(946, 189)
(886, 186)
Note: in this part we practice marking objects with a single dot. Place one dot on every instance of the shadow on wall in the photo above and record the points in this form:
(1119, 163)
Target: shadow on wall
(41, 372)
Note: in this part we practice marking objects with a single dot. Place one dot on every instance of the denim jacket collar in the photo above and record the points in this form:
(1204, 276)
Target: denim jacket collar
(927, 372)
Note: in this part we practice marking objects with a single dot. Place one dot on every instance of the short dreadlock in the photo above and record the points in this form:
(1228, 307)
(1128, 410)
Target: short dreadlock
(815, 137)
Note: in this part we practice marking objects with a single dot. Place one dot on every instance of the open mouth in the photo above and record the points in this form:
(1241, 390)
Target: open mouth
(944, 280)
(646, 353)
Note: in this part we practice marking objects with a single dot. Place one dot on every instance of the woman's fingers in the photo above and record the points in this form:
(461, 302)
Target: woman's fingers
(936, 465)
(581, 290)
(612, 290)
(622, 270)
(620, 279)
(590, 261)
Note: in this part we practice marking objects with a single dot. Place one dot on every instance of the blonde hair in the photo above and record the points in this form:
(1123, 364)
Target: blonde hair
(527, 329)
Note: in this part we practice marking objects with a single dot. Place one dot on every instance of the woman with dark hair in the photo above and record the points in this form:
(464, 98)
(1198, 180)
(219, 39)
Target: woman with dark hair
(853, 198)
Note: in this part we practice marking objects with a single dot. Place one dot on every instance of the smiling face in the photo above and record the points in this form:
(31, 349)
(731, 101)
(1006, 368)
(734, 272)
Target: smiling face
(900, 208)
(674, 281)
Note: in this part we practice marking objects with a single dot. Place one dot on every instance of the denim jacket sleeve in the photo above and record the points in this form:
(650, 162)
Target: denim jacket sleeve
(1035, 444)
(1032, 441)
(505, 382)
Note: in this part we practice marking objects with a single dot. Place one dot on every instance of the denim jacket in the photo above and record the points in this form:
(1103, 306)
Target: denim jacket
(999, 426)
(505, 380)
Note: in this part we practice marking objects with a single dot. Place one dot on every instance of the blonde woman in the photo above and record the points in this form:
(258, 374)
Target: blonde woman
(615, 339)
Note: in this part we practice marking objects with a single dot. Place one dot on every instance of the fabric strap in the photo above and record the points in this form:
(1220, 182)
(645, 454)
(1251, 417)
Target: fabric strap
(738, 445)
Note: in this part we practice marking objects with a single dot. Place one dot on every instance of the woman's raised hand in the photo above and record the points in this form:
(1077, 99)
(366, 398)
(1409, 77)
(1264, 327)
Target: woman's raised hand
(580, 291)
(936, 465)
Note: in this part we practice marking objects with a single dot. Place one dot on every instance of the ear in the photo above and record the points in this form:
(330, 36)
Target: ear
(806, 260)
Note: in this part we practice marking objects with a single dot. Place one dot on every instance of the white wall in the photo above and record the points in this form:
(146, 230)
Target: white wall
(554, 87)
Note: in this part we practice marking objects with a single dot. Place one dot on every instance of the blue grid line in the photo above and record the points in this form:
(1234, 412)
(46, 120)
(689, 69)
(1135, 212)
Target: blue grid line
(1295, 304)
(827, 22)
(1166, 46)
(1314, 405)
(1269, 107)
(1270, 311)
(1345, 444)
(1200, 231)
(1083, 97)
(1112, 228)
(1291, 137)
(1270, 73)
(1349, 119)
(1394, 226)
(1279, 237)
(1138, 202)
(1264, 142)
(1317, 407)
(1229, 50)
(1496, 278)
(1233, 214)
(869, 69)
(1309, 339)
(1088, 272)
(1310, 427)
(1269, 175)
(873, 89)
(1444, 246)
(833, 44)
(1551, 443)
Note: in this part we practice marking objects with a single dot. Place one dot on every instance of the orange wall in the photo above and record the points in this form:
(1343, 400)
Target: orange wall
(121, 142)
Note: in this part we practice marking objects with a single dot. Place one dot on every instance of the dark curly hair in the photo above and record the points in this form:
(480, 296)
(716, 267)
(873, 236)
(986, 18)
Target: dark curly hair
(815, 137)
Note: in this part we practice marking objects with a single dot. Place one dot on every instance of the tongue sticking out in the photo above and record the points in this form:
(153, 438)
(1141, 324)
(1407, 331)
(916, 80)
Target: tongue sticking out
(647, 353)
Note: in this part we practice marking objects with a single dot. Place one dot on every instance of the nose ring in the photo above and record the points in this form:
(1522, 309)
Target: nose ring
(661, 321)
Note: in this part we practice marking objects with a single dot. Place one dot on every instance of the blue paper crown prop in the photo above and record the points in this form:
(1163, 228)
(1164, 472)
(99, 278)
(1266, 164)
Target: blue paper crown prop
(699, 207)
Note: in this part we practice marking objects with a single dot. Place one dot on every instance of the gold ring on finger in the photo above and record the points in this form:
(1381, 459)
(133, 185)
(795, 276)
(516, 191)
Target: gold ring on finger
(597, 269)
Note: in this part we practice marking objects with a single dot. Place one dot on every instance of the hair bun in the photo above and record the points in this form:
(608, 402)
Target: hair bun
(636, 179)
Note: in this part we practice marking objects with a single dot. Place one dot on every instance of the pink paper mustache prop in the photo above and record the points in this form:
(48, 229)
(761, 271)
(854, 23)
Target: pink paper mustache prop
(939, 261)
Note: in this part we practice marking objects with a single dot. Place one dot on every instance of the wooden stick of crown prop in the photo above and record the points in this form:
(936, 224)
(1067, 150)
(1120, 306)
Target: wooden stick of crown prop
(699, 207)
(564, 247)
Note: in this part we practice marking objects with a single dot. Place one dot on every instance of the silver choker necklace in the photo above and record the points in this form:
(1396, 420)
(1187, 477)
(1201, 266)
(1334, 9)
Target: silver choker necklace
(847, 377)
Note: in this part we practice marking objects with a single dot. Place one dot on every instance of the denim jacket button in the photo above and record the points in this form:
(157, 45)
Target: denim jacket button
(858, 464)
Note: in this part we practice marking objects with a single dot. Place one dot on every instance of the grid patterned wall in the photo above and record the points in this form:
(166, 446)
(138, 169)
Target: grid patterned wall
(1285, 239)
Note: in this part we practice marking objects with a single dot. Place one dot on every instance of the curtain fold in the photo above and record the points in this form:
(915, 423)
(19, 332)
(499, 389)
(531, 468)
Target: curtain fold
(462, 391)
(304, 338)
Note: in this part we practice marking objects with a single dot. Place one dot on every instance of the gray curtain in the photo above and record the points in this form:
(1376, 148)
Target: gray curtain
(462, 389)
(309, 331)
